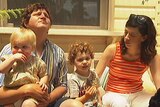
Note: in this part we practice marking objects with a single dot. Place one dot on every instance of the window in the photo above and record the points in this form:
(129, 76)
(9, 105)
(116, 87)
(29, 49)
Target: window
(66, 12)
(75, 14)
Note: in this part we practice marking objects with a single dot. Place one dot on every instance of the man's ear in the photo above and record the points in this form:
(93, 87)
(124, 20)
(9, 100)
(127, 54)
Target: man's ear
(25, 25)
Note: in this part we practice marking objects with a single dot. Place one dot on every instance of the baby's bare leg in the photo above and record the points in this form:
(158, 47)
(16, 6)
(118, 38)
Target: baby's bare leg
(29, 103)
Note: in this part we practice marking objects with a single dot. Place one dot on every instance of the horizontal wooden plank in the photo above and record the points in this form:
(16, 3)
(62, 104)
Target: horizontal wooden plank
(158, 41)
(158, 50)
(119, 24)
(158, 30)
(125, 12)
(135, 3)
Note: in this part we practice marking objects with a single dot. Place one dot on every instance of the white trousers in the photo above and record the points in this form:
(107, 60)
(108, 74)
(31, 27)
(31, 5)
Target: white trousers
(139, 99)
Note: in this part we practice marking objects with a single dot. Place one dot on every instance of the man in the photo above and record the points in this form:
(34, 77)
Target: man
(37, 18)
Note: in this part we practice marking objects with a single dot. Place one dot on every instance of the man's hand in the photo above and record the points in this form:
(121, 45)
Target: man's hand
(34, 91)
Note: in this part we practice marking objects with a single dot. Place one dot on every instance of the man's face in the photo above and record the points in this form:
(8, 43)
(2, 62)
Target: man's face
(39, 19)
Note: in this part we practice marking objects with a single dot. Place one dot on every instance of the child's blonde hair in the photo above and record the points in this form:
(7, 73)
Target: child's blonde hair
(79, 47)
(24, 35)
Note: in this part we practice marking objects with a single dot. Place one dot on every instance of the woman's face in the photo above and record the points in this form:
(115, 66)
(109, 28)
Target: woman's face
(132, 37)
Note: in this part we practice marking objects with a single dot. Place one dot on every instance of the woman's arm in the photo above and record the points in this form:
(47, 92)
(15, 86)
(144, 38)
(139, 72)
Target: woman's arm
(155, 70)
(105, 59)
(100, 93)
(12, 95)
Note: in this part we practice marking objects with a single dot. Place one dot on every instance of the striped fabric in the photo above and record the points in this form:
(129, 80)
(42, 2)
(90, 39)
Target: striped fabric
(1, 78)
(56, 64)
(125, 76)
(53, 56)
(5, 51)
(104, 77)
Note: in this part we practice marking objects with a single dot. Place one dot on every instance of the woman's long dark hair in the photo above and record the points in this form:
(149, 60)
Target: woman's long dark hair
(146, 28)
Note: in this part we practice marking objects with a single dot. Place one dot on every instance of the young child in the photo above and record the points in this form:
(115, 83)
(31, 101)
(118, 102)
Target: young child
(155, 100)
(83, 84)
(22, 66)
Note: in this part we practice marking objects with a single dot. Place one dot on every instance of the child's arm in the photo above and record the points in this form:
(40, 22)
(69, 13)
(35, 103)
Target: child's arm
(90, 92)
(6, 65)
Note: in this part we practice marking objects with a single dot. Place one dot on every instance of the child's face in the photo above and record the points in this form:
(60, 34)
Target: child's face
(82, 63)
(22, 47)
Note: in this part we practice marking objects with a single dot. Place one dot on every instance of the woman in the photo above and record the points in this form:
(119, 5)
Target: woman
(128, 60)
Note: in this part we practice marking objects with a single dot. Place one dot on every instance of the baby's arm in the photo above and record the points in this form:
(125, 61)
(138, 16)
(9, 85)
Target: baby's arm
(7, 63)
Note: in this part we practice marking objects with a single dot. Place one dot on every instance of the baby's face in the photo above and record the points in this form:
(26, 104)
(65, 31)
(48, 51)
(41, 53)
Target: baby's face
(23, 47)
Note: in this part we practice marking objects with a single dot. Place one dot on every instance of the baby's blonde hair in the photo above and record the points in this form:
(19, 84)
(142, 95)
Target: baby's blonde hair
(24, 35)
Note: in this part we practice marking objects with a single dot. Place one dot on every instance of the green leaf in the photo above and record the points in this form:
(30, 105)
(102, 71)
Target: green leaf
(5, 14)
(12, 13)
(1, 17)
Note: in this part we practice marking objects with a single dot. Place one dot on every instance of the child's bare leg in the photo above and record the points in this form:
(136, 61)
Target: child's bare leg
(29, 103)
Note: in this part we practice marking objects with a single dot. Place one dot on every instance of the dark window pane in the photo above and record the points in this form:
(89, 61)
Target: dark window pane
(65, 12)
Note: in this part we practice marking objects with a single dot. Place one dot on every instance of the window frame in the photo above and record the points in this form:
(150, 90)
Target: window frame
(105, 28)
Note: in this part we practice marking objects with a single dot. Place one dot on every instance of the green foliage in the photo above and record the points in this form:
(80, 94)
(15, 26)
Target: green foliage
(11, 13)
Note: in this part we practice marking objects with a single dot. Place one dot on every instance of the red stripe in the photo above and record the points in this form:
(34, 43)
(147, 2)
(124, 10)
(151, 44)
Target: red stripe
(125, 76)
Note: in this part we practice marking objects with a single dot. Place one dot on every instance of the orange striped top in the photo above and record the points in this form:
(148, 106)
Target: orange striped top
(125, 76)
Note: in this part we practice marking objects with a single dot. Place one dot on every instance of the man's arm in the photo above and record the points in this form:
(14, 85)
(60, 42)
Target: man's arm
(155, 70)
(8, 96)
(57, 93)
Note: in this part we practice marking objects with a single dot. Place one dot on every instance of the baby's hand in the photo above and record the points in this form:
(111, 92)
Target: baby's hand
(44, 87)
(20, 57)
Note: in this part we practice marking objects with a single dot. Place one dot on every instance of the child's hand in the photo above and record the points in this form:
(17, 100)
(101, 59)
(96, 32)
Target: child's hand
(44, 87)
(90, 91)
